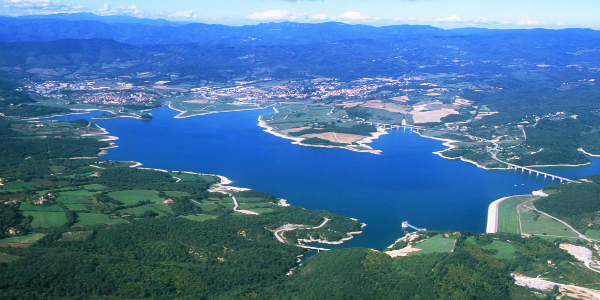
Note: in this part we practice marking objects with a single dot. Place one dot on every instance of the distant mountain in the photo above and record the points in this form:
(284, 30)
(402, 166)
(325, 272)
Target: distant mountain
(105, 19)
(146, 31)
(283, 49)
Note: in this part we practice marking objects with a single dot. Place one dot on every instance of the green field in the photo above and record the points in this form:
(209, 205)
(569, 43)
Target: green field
(297, 115)
(544, 225)
(593, 234)
(26, 206)
(77, 197)
(75, 236)
(507, 213)
(4, 258)
(200, 217)
(25, 239)
(190, 109)
(207, 206)
(96, 187)
(15, 185)
(176, 194)
(435, 244)
(250, 200)
(131, 197)
(76, 206)
(505, 250)
(138, 210)
(46, 219)
(96, 218)
(193, 177)
(257, 207)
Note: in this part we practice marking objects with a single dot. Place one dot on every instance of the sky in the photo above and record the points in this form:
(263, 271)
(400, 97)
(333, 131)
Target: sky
(440, 13)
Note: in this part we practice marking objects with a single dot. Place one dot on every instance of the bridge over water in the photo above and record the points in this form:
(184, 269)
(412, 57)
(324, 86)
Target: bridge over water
(493, 151)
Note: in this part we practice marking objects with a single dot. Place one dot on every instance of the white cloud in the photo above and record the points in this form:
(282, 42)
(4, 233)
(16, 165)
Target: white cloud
(107, 10)
(354, 16)
(450, 19)
(530, 23)
(319, 17)
(484, 21)
(274, 14)
(562, 24)
(19, 7)
(184, 14)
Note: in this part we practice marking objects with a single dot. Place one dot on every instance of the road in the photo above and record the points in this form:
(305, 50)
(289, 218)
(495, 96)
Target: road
(290, 227)
(235, 207)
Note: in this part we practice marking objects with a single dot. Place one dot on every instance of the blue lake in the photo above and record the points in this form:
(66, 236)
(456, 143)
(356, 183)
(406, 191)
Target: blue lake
(405, 182)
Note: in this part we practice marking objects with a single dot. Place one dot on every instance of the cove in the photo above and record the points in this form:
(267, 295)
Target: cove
(405, 182)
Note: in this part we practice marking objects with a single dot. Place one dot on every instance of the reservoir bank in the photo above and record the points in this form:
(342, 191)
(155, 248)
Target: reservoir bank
(405, 182)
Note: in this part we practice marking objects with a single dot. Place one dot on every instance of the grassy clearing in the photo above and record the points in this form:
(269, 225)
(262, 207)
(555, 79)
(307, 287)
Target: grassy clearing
(250, 200)
(208, 206)
(15, 185)
(200, 217)
(97, 187)
(25, 239)
(46, 219)
(76, 206)
(176, 194)
(4, 258)
(505, 250)
(140, 210)
(537, 224)
(593, 234)
(298, 115)
(257, 207)
(96, 218)
(26, 206)
(435, 244)
(507, 213)
(75, 236)
(134, 196)
(261, 210)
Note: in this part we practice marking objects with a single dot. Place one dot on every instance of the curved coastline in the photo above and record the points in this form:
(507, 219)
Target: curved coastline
(182, 112)
(298, 140)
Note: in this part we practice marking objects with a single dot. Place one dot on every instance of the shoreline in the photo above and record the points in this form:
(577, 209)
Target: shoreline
(448, 143)
(587, 153)
(298, 140)
(326, 242)
(560, 165)
(181, 112)
(223, 184)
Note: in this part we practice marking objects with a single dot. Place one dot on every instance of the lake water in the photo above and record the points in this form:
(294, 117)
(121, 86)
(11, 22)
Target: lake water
(405, 182)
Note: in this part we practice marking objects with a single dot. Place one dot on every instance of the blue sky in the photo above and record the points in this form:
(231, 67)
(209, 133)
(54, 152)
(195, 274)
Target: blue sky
(440, 13)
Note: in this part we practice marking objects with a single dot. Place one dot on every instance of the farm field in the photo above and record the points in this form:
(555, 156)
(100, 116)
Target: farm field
(96, 187)
(200, 217)
(176, 194)
(15, 185)
(138, 210)
(26, 206)
(131, 197)
(435, 244)
(46, 219)
(96, 218)
(25, 239)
